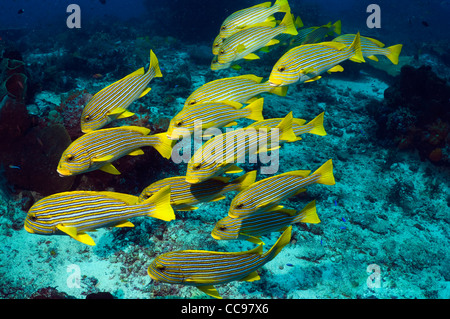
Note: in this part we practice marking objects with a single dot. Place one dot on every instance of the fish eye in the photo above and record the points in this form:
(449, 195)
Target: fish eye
(192, 102)
(197, 165)
(33, 218)
(148, 195)
(239, 206)
(281, 69)
(69, 157)
(222, 51)
(87, 118)
(179, 123)
(223, 27)
(160, 267)
(222, 228)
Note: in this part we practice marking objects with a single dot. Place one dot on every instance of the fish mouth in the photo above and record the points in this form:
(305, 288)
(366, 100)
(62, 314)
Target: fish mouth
(193, 180)
(172, 137)
(274, 84)
(63, 172)
(215, 236)
(152, 276)
(28, 229)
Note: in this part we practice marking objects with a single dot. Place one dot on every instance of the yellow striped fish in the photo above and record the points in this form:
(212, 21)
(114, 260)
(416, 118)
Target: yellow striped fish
(219, 154)
(266, 194)
(250, 16)
(111, 102)
(184, 196)
(212, 114)
(78, 212)
(305, 63)
(239, 89)
(316, 34)
(97, 149)
(299, 127)
(372, 47)
(254, 226)
(242, 44)
(204, 269)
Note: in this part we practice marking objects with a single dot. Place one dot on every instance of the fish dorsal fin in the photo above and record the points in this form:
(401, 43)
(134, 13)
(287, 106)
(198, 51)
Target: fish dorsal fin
(262, 5)
(129, 199)
(253, 276)
(301, 173)
(210, 291)
(234, 104)
(73, 232)
(109, 168)
(140, 129)
(139, 71)
(252, 77)
(287, 211)
(335, 45)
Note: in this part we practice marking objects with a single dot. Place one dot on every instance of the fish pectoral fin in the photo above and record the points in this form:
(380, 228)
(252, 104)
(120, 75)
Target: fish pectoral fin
(125, 115)
(109, 168)
(136, 152)
(253, 276)
(273, 42)
(210, 290)
(125, 223)
(253, 239)
(73, 232)
(101, 159)
(251, 56)
(233, 169)
(144, 92)
(240, 48)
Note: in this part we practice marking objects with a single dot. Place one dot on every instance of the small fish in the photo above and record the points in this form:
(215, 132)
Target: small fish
(184, 196)
(266, 194)
(75, 213)
(241, 89)
(371, 47)
(111, 102)
(254, 226)
(97, 149)
(305, 63)
(205, 269)
(242, 44)
(219, 154)
(259, 13)
(425, 24)
(97, 76)
(212, 114)
(20, 11)
(299, 127)
(316, 34)
(14, 166)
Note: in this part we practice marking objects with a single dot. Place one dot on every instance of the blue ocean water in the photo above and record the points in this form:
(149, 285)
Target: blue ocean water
(384, 225)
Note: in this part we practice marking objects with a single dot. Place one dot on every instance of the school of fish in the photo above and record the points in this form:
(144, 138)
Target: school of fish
(257, 209)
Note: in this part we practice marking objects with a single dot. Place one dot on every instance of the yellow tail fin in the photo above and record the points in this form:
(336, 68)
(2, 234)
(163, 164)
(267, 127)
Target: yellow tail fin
(288, 24)
(317, 125)
(154, 64)
(286, 132)
(308, 214)
(356, 49)
(255, 108)
(283, 6)
(326, 173)
(163, 145)
(284, 239)
(394, 52)
(337, 27)
(160, 205)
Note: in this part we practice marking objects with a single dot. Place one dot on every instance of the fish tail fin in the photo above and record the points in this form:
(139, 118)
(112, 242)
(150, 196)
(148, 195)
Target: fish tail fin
(337, 26)
(245, 180)
(282, 241)
(154, 64)
(286, 132)
(159, 204)
(394, 52)
(326, 173)
(283, 6)
(298, 22)
(317, 125)
(355, 48)
(288, 24)
(279, 90)
(308, 214)
(255, 108)
(163, 145)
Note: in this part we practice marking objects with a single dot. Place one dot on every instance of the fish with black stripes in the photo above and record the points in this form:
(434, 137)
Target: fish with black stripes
(315, 34)
(219, 154)
(306, 63)
(185, 196)
(97, 149)
(205, 269)
(256, 225)
(266, 194)
(111, 103)
(77, 212)
(212, 114)
(241, 89)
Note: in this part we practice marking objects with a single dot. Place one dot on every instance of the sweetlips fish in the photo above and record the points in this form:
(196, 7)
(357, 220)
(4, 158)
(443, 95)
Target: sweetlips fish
(315, 34)
(219, 154)
(97, 149)
(111, 102)
(266, 194)
(75, 213)
(258, 224)
(299, 127)
(305, 63)
(242, 44)
(184, 196)
(259, 13)
(205, 269)
(212, 114)
(241, 89)
(371, 47)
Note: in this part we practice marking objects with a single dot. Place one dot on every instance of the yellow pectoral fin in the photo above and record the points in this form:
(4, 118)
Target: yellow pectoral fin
(210, 290)
(102, 159)
(144, 92)
(109, 168)
(253, 239)
(72, 232)
(233, 169)
(273, 42)
(125, 115)
(253, 276)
